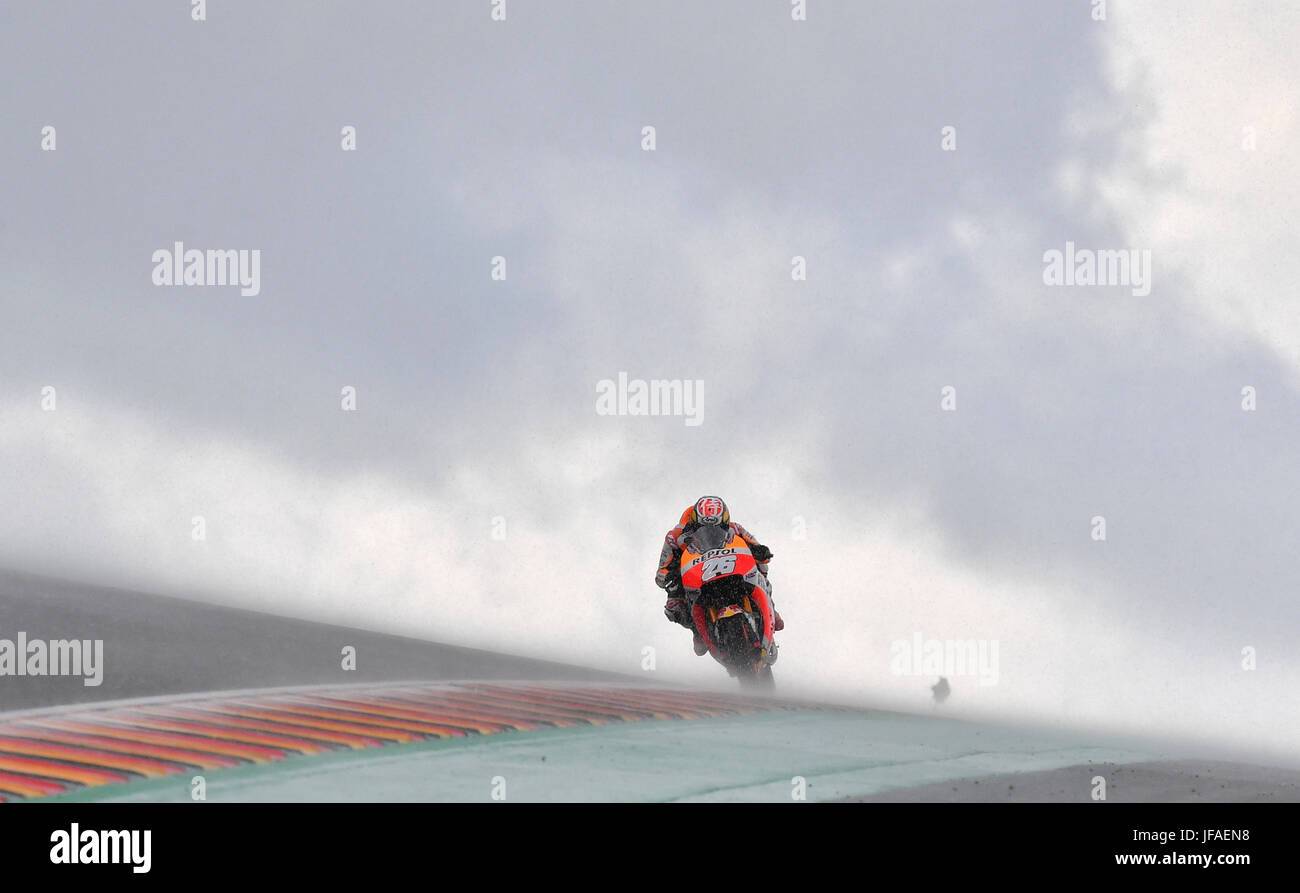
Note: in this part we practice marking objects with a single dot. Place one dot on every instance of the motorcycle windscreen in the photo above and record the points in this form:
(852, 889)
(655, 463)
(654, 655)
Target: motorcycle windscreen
(706, 539)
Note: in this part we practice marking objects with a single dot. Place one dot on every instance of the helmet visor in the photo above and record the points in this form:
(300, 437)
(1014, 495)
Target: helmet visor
(710, 537)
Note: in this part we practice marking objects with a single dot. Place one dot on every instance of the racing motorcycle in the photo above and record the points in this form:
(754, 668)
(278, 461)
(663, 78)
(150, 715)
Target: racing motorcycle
(720, 575)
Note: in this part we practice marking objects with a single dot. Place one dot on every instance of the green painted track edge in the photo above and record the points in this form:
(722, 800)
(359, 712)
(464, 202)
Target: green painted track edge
(181, 780)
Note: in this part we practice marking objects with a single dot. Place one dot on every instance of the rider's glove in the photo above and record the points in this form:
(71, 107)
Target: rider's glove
(762, 554)
(675, 609)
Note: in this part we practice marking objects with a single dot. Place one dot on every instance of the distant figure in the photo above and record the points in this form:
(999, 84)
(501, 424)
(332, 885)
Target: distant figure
(941, 690)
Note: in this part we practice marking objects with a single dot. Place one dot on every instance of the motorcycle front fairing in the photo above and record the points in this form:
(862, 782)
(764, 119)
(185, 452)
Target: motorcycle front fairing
(710, 554)
(719, 571)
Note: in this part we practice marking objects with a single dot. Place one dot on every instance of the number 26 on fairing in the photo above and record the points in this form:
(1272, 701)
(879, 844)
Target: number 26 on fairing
(718, 567)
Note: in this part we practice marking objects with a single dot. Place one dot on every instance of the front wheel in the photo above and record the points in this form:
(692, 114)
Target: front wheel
(763, 681)
(733, 637)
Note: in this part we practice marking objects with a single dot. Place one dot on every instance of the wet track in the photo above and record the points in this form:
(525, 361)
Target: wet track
(562, 732)
(155, 645)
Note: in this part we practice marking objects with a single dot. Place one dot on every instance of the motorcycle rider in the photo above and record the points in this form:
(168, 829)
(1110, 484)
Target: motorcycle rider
(712, 511)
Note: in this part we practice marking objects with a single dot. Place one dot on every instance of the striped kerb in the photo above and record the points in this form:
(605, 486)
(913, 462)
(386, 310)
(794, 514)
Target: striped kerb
(62, 751)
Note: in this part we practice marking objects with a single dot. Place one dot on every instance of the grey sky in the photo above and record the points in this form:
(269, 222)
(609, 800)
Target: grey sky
(774, 139)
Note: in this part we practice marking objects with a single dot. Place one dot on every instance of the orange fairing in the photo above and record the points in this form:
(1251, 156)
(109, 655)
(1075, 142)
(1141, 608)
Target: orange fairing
(733, 559)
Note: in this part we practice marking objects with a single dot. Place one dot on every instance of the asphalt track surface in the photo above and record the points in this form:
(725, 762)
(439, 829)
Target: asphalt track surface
(156, 645)
(1169, 781)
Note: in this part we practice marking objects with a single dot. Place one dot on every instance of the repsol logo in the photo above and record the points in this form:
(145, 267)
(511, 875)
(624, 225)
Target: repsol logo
(716, 553)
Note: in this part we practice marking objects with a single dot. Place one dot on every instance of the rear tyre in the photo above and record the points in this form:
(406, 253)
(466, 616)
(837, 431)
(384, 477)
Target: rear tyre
(762, 682)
